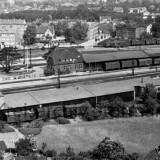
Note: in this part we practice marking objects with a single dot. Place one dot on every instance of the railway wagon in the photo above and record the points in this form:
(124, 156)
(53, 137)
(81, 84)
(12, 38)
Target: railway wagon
(137, 42)
(77, 109)
(112, 65)
(17, 117)
(156, 61)
(129, 63)
(145, 62)
(52, 112)
(150, 42)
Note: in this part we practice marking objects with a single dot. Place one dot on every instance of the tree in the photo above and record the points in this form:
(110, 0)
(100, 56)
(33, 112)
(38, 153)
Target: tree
(149, 20)
(7, 56)
(149, 92)
(24, 147)
(69, 35)
(145, 35)
(149, 97)
(80, 30)
(29, 36)
(60, 28)
(108, 149)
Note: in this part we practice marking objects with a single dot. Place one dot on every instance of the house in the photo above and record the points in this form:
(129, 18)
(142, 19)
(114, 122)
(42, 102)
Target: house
(139, 31)
(63, 59)
(105, 19)
(125, 31)
(118, 9)
(45, 32)
(12, 31)
(105, 30)
(138, 10)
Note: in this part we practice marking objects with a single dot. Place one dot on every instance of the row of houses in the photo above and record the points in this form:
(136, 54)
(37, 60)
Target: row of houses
(73, 60)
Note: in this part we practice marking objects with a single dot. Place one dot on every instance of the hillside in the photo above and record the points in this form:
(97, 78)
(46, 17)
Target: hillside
(136, 134)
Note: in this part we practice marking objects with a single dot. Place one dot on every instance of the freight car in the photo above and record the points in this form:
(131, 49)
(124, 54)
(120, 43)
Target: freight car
(126, 43)
(48, 112)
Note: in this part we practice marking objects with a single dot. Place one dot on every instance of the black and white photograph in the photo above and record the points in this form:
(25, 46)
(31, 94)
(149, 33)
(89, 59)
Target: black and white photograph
(79, 79)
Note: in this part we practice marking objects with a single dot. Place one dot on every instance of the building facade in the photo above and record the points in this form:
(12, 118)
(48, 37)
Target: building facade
(124, 31)
(92, 30)
(45, 32)
(65, 59)
(11, 31)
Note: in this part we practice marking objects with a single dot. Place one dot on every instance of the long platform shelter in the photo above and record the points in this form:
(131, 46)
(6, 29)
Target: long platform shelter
(74, 95)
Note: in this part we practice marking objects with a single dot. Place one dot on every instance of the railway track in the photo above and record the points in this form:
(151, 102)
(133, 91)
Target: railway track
(75, 81)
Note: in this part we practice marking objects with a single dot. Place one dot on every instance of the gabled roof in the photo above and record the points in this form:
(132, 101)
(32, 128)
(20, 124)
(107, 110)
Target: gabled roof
(113, 56)
(43, 29)
(66, 56)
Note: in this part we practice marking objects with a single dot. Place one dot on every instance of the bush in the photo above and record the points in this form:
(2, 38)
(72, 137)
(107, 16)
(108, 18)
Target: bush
(49, 72)
(50, 153)
(7, 129)
(62, 120)
(35, 124)
(30, 131)
(24, 147)
(2, 125)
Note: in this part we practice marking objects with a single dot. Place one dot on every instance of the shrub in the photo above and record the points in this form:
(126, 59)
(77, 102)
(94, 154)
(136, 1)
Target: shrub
(108, 149)
(49, 72)
(24, 147)
(62, 120)
(2, 125)
(7, 129)
(30, 131)
(50, 153)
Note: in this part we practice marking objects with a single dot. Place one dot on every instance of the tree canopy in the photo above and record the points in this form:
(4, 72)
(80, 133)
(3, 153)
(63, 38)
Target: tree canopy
(29, 36)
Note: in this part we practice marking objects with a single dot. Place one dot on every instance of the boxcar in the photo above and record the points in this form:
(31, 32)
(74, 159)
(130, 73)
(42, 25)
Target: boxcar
(129, 63)
(112, 65)
(145, 62)
(156, 61)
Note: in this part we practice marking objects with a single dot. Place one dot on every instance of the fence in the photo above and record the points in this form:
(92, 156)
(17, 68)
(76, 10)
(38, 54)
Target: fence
(22, 77)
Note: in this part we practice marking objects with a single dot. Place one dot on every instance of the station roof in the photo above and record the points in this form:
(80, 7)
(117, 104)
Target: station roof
(60, 95)
(20, 100)
(34, 98)
(113, 56)
(153, 52)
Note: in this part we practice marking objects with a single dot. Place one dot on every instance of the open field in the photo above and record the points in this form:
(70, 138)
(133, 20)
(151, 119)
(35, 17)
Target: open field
(136, 134)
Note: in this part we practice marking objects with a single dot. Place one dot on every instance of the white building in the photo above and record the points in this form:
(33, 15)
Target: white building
(138, 10)
(92, 30)
(11, 31)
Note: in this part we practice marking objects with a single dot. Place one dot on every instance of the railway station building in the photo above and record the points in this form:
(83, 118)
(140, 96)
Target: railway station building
(76, 60)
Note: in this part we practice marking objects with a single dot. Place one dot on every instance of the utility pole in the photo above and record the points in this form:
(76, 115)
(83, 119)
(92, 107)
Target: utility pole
(24, 54)
(30, 59)
(58, 78)
(132, 67)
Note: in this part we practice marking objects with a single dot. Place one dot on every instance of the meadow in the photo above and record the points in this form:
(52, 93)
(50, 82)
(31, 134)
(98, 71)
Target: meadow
(139, 134)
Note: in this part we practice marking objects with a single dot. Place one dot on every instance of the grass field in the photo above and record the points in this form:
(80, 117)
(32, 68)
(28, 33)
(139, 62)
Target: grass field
(136, 134)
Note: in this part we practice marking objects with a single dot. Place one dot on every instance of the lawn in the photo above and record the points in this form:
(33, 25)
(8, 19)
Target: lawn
(136, 134)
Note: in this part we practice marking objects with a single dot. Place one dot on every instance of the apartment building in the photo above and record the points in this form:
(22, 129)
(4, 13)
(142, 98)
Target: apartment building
(92, 30)
(11, 31)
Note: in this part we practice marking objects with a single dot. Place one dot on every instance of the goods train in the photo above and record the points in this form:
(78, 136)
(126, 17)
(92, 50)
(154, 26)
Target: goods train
(126, 43)
(24, 115)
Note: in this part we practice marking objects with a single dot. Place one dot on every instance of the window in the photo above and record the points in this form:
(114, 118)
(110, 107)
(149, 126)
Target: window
(65, 67)
(80, 66)
(76, 66)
